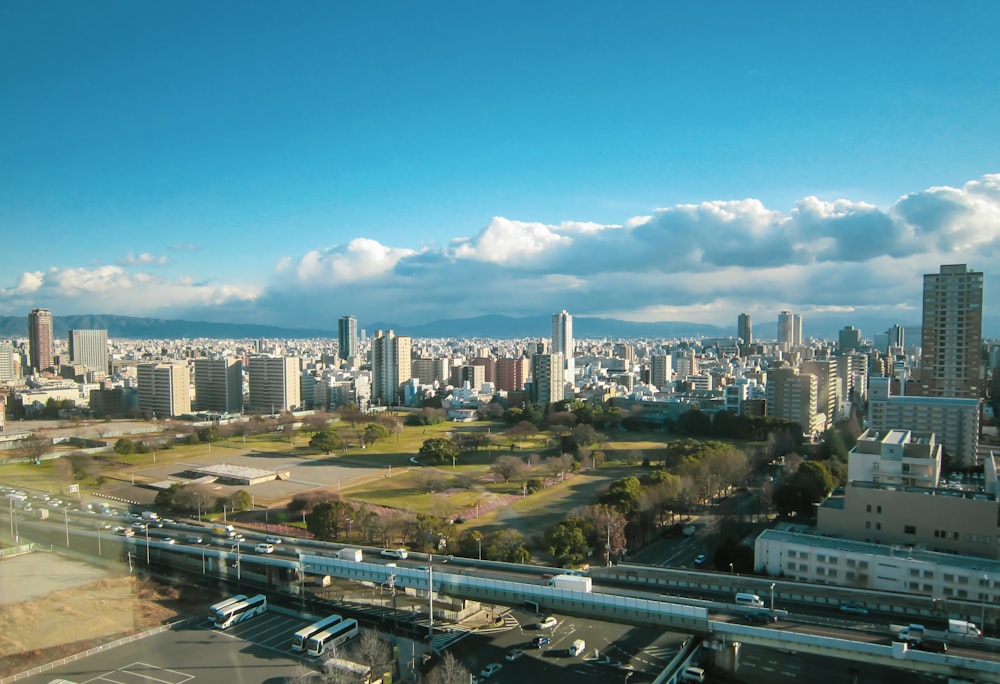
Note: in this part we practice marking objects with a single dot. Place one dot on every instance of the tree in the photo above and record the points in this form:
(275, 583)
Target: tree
(124, 446)
(624, 495)
(508, 468)
(328, 519)
(567, 541)
(374, 432)
(430, 481)
(449, 671)
(327, 441)
(522, 431)
(438, 450)
(371, 650)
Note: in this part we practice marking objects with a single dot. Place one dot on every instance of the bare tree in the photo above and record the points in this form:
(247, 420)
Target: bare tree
(371, 650)
(449, 671)
(35, 447)
(508, 467)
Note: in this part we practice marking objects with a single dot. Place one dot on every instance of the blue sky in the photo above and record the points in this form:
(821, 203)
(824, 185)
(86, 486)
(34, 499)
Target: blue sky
(289, 163)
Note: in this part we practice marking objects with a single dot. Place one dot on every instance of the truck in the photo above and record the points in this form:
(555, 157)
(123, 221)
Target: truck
(963, 627)
(689, 530)
(574, 582)
(149, 515)
(43, 513)
(353, 555)
(224, 531)
(913, 634)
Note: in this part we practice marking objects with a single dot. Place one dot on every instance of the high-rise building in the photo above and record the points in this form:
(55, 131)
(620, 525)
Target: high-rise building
(849, 339)
(952, 333)
(661, 372)
(828, 386)
(512, 373)
(785, 332)
(218, 385)
(429, 371)
(562, 343)
(793, 396)
(797, 330)
(896, 338)
(6, 361)
(547, 379)
(391, 366)
(347, 337)
(40, 339)
(744, 328)
(164, 389)
(89, 348)
(273, 384)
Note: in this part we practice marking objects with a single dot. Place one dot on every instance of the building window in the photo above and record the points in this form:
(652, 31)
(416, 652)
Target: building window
(878, 526)
(878, 510)
(909, 529)
(868, 508)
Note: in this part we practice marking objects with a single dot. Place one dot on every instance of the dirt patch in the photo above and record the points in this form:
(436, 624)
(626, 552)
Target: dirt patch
(67, 621)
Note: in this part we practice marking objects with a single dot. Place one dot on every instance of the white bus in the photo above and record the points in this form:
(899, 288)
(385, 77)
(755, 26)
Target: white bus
(362, 674)
(332, 637)
(243, 610)
(216, 608)
(301, 637)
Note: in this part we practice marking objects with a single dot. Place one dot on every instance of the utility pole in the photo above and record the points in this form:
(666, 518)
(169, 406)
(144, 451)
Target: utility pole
(430, 594)
(66, 522)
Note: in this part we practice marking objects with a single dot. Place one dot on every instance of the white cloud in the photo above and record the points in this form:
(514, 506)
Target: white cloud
(505, 241)
(360, 259)
(144, 258)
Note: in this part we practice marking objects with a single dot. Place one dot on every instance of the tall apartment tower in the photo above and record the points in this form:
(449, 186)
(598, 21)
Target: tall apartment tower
(793, 396)
(347, 337)
(218, 385)
(785, 324)
(40, 339)
(744, 328)
(548, 384)
(273, 383)
(796, 330)
(7, 368)
(512, 373)
(661, 371)
(562, 343)
(164, 389)
(952, 333)
(391, 366)
(89, 348)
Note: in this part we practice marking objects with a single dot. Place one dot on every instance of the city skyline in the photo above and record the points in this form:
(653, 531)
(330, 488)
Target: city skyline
(616, 163)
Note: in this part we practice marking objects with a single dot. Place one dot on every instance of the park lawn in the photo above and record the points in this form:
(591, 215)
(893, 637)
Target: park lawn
(400, 491)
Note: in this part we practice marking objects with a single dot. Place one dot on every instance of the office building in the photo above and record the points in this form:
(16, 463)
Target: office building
(89, 348)
(40, 339)
(164, 389)
(785, 330)
(218, 385)
(347, 337)
(429, 371)
(273, 384)
(849, 339)
(828, 388)
(797, 339)
(744, 328)
(391, 366)
(547, 380)
(896, 457)
(475, 375)
(952, 333)
(7, 366)
(562, 343)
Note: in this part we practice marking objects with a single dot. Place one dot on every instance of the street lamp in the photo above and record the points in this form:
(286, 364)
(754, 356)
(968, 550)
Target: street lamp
(479, 541)
(772, 597)
(982, 619)
(146, 527)
(98, 528)
(731, 569)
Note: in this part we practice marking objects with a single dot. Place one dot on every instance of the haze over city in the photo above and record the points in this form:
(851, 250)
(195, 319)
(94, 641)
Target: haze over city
(239, 162)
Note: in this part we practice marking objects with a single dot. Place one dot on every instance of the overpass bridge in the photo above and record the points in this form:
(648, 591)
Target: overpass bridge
(724, 638)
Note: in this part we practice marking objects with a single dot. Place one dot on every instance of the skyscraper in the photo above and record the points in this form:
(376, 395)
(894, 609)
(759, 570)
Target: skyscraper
(391, 357)
(744, 328)
(850, 339)
(89, 348)
(40, 339)
(562, 343)
(218, 385)
(6, 361)
(347, 337)
(785, 323)
(661, 372)
(952, 332)
(796, 330)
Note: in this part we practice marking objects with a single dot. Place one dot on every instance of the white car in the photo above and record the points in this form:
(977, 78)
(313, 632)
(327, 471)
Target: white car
(490, 670)
(547, 623)
(272, 540)
(399, 554)
(264, 548)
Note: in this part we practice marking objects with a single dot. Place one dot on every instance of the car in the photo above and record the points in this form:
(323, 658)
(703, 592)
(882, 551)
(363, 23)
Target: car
(193, 539)
(138, 526)
(168, 540)
(853, 608)
(540, 641)
(699, 559)
(399, 554)
(272, 540)
(547, 623)
(490, 670)
(762, 616)
(513, 654)
(547, 576)
(693, 674)
(930, 646)
(264, 548)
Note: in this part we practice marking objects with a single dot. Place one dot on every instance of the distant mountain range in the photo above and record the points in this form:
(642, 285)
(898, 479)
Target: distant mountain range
(130, 327)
